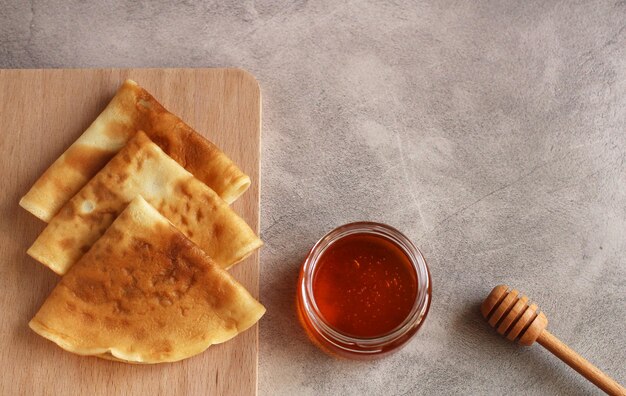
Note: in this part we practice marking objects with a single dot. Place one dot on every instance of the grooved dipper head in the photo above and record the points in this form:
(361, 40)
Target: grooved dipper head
(513, 315)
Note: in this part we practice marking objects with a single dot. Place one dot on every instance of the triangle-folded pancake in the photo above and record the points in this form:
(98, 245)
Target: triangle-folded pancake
(132, 109)
(144, 293)
(142, 168)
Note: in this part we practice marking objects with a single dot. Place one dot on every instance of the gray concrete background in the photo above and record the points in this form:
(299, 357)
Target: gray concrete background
(491, 133)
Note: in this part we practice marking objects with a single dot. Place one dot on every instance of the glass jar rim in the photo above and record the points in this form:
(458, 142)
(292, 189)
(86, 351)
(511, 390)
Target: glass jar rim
(414, 318)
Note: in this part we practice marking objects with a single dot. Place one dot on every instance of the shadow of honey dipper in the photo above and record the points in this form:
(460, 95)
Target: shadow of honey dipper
(515, 317)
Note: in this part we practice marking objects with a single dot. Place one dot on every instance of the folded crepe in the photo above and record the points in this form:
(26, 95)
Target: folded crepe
(132, 109)
(144, 293)
(142, 168)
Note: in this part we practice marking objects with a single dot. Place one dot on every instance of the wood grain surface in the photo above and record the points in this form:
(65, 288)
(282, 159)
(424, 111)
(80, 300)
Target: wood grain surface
(41, 113)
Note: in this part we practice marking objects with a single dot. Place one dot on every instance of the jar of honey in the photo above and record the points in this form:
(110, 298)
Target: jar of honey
(364, 290)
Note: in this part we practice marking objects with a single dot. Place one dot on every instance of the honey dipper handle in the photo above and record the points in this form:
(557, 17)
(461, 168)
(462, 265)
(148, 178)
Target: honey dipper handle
(580, 364)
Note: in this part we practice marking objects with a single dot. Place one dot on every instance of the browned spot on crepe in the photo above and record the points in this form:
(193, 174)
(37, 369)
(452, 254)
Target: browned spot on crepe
(87, 160)
(67, 243)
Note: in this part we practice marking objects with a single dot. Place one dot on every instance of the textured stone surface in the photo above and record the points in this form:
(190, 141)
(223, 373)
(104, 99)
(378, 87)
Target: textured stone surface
(492, 134)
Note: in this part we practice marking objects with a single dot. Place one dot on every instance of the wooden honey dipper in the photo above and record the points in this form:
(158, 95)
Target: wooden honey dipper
(515, 317)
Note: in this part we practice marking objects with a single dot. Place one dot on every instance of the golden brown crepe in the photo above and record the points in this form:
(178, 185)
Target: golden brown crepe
(144, 293)
(142, 168)
(132, 109)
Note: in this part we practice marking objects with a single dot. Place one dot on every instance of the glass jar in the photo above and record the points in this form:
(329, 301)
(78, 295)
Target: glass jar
(332, 340)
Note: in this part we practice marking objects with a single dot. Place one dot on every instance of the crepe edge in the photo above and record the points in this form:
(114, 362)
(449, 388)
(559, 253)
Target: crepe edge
(28, 203)
(115, 355)
(54, 264)
(238, 188)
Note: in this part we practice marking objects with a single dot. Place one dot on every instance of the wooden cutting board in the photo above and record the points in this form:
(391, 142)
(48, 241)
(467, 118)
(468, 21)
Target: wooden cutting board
(41, 113)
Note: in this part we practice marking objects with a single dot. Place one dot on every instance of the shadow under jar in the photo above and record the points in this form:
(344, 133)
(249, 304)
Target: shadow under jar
(364, 290)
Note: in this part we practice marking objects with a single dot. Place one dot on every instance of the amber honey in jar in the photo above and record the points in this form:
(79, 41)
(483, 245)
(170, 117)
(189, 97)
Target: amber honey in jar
(364, 290)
